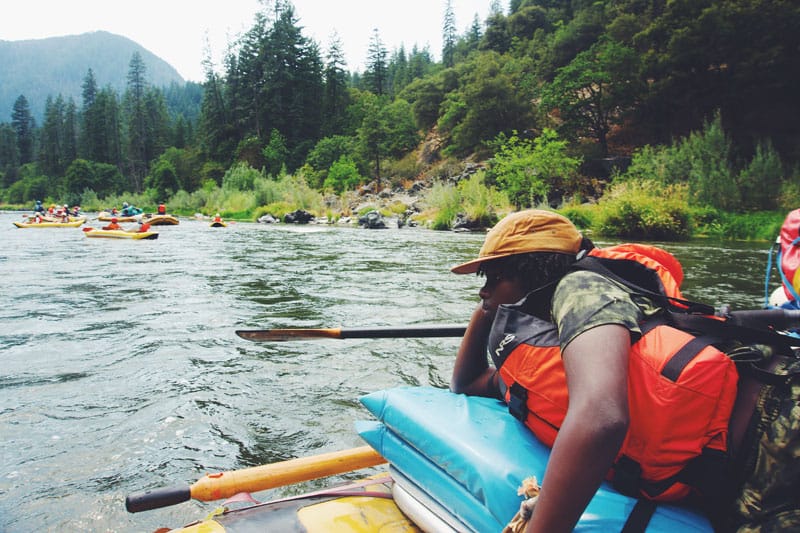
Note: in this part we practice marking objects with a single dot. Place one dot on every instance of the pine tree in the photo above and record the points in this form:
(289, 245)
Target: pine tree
(24, 125)
(376, 73)
(136, 120)
(9, 155)
(449, 35)
(51, 157)
(336, 98)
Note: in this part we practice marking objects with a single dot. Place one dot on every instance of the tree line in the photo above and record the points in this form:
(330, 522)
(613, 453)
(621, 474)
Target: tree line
(606, 78)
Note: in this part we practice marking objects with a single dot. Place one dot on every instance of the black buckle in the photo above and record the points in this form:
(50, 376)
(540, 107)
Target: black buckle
(518, 402)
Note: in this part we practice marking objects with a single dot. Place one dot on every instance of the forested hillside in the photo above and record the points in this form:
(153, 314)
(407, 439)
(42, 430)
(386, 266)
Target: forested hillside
(541, 90)
(40, 68)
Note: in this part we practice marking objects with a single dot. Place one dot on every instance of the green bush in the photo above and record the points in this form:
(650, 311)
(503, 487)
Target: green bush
(276, 209)
(479, 202)
(240, 177)
(760, 181)
(343, 175)
(644, 211)
(445, 201)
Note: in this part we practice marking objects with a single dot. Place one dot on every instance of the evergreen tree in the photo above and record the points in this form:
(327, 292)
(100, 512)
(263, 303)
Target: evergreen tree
(71, 131)
(136, 121)
(398, 74)
(9, 155)
(89, 87)
(376, 72)
(106, 133)
(51, 144)
(215, 130)
(449, 35)
(336, 98)
(24, 125)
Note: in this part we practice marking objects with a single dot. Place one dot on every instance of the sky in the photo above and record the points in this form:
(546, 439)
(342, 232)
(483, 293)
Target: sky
(177, 30)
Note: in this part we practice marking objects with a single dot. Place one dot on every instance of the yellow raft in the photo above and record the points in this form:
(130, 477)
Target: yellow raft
(71, 224)
(219, 224)
(121, 234)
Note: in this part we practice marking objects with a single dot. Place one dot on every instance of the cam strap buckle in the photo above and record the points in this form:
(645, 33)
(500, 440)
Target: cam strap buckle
(518, 402)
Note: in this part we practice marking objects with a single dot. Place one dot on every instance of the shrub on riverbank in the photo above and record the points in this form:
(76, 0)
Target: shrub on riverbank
(471, 198)
(644, 211)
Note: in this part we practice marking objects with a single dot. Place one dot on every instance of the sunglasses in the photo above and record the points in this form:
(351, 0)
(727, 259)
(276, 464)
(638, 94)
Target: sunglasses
(493, 277)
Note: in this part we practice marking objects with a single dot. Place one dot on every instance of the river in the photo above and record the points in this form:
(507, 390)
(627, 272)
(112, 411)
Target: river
(120, 370)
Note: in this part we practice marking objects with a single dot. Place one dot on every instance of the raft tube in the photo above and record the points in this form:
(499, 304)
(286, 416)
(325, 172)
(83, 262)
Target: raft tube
(468, 456)
(71, 224)
(121, 234)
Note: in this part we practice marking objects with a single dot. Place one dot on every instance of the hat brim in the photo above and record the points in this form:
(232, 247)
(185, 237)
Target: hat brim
(470, 267)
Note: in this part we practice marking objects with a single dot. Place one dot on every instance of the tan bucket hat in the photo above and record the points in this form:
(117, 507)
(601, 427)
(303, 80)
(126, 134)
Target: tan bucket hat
(534, 230)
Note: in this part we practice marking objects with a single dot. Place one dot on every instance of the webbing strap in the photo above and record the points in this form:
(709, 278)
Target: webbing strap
(672, 370)
(599, 266)
(786, 283)
(640, 516)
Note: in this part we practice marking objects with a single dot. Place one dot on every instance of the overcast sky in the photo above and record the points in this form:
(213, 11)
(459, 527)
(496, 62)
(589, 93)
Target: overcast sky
(175, 30)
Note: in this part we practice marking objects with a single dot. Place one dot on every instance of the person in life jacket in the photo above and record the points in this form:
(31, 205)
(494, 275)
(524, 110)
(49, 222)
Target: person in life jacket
(162, 209)
(217, 218)
(571, 349)
(113, 225)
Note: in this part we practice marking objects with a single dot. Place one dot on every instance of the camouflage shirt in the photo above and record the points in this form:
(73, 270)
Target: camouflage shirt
(584, 300)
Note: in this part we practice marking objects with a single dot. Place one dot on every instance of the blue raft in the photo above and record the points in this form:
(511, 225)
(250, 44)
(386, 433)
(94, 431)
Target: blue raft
(462, 458)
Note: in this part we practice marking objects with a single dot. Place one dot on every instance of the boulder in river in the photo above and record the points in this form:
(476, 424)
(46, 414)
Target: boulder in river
(300, 216)
(372, 220)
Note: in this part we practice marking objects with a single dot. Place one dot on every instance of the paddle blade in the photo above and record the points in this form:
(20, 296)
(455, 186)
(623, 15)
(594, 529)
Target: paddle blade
(280, 335)
(156, 499)
(88, 228)
(390, 332)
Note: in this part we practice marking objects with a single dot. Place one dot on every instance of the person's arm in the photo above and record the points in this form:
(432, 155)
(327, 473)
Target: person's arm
(472, 374)
(596, 364)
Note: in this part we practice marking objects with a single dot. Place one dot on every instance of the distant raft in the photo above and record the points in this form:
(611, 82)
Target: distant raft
(161, 220)
(219, 224)
(120, 234)
(71, 224)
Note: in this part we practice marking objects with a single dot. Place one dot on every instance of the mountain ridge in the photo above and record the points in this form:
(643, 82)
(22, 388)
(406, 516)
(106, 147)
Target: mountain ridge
(38, 68)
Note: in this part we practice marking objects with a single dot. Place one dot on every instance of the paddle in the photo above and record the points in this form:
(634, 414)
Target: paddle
(278, 335)
(226, 484)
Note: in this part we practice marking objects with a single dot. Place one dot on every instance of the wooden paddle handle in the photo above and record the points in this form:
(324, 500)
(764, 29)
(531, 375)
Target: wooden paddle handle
(225, 484)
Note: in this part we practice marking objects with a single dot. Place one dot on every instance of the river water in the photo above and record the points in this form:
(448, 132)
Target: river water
(120, 370)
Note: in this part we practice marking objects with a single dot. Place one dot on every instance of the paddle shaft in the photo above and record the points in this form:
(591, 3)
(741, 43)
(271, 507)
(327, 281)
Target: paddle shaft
(225, 484)
(278, 335)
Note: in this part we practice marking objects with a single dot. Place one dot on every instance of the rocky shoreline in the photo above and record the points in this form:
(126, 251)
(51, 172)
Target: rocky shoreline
(373, 204)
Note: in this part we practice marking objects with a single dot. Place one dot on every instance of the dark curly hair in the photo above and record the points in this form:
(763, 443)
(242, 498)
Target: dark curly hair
(534, 269)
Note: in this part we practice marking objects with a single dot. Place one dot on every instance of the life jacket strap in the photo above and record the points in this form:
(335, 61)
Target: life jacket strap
(706, 473)
(518, 402)
(640, 516)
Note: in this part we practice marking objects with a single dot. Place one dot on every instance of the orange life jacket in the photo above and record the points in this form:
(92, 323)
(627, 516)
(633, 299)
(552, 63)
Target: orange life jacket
(681, 389)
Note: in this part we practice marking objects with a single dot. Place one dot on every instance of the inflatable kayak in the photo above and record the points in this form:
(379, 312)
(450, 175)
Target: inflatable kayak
(121, 234)
(219, 224)
(455, 464)
(71, 224)
(161, 220)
